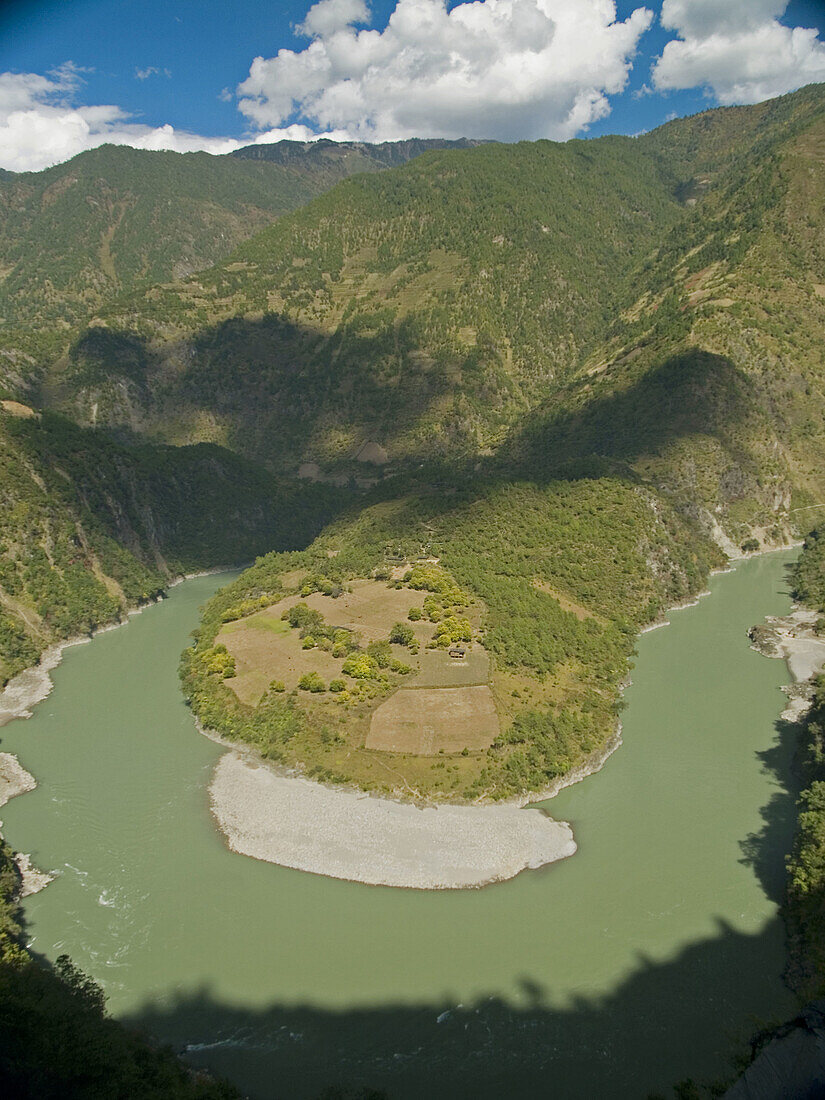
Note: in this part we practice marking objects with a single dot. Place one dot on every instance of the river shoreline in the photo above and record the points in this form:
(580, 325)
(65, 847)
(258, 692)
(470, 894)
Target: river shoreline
(28, 688)
(275, 814)
(14, 781)
(278, 815)
(33, 684)
(257, 817)
(792, 638)
(297, 823)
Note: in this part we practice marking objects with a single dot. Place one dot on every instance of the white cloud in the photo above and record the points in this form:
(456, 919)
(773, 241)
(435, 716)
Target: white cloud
(504, 69)
(329, 16)
(41, 125)
(737, 49)
(150, 70)
(295, 132)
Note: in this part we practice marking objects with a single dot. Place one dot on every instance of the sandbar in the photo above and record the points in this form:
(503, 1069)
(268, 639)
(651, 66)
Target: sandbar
(352, 835)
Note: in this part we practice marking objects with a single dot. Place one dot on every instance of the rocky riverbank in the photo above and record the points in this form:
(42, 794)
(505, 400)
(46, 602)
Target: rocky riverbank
(792, 638)
(15, 780)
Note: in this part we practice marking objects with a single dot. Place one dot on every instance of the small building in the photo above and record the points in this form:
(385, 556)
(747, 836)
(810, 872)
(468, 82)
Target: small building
(458, 651)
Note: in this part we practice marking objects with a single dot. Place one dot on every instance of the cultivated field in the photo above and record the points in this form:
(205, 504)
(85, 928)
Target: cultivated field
(370, 608)
(437, 669)
(427, 721)
(444, 705)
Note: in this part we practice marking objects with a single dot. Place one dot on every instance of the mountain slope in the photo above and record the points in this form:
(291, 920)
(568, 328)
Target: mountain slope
(89, 527)
(419, 314)
(584, 363)
(692, 415)
(348, 157)
(115, 218)
(424, 307)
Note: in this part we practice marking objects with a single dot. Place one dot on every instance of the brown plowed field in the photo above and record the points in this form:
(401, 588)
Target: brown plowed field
(427, 721)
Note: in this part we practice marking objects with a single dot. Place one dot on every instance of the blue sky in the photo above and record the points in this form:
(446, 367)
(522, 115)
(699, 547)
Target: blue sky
(194, 54)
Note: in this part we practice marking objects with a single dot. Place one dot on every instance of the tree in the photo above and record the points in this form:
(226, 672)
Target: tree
(402, 634)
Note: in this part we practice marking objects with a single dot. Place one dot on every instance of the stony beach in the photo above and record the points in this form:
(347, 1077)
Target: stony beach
(351, 835)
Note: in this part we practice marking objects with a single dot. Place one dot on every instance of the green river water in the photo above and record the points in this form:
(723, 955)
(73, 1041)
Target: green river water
(638, 962)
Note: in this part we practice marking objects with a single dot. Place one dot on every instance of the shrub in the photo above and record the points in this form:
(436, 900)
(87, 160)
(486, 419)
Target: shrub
(277, 685)
(415, 614)
(308, 642)
(305, 618)
(337, 686)
(217, 661)
(361, 666)
(380, 653)
(311, 681)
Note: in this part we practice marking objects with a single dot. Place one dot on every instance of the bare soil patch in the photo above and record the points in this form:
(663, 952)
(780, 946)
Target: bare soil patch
(421, 721)
(15, 408)
(266, 649)
(426, 721)
(263, 655)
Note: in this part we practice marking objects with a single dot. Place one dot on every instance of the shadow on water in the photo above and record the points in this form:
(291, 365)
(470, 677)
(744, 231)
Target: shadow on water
(764, 849)
(690, 1016)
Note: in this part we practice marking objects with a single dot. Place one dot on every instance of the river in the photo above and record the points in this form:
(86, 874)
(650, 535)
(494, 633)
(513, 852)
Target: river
(636, 963)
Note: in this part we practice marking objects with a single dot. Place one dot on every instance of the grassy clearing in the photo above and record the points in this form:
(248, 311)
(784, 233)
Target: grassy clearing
(257, 622)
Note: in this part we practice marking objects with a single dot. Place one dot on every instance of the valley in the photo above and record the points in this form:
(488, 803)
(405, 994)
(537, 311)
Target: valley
(468, 418)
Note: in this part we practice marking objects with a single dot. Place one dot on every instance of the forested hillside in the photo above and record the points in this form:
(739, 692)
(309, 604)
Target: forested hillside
(568, 570)
(112, 219)
(90, 527)
(424, 308)
(566, 377)
(678, 406)
(804, 908)
(530, 302)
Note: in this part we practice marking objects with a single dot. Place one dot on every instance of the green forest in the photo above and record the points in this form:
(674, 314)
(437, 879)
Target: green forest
(91, 526)
(805, 897)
